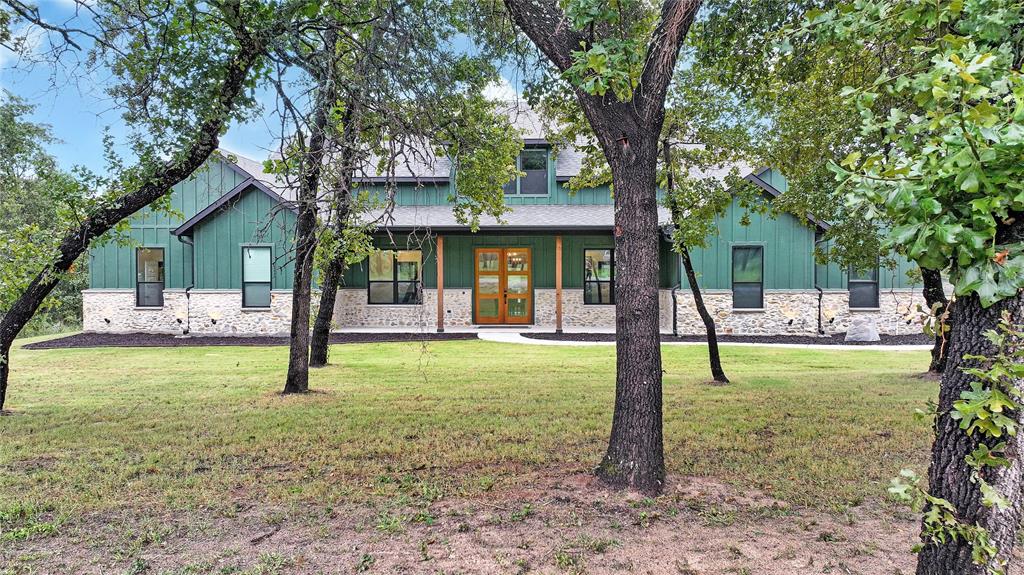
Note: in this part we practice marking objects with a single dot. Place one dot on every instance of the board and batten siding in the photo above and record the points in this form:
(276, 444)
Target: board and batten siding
(253, 218)
(112, 265)
(832, 277)
(788, 250)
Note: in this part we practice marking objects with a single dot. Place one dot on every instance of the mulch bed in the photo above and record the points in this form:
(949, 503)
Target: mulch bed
(168, 340)
(837, 339)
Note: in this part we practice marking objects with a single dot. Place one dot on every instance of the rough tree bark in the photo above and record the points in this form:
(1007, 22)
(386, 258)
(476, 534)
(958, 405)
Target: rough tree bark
(297, 380)
(76, 241)
(331, 278)
(628, 135)
(709, 322)
(935, 294)
(949, 475)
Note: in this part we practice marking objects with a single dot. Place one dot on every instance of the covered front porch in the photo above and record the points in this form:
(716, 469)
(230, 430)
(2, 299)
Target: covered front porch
(487, 281)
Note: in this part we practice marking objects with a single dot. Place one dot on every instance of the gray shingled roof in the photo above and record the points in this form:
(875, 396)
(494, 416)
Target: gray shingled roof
(534, 217)
(255, 170)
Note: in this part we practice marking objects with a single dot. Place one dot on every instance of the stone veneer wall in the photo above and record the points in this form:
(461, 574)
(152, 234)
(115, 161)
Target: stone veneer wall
(352, 310)
(796, 312)
(786, 312)
(118, 306)
(578, 315)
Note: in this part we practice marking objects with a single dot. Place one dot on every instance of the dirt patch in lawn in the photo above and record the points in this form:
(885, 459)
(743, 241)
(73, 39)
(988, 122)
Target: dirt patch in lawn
(567, 524)
(836, 339)
(168, 340)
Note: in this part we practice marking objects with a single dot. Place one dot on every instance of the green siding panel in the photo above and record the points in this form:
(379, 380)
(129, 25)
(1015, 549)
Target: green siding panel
(788, 250)
(112, 266)
(251, 219)
(831, 276)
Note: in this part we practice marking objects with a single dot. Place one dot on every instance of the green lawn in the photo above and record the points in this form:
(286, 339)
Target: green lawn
(114, 429)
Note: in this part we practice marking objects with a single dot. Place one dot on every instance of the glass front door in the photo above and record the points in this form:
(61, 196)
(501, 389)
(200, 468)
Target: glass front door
(504, 287)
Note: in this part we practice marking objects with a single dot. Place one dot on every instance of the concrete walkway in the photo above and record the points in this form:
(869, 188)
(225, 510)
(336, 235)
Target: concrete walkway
(512, 337)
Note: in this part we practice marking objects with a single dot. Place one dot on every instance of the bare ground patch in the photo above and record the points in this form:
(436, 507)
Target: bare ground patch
(565, 524)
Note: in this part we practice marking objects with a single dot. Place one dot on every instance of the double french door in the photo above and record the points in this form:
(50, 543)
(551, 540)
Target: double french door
(504, 286)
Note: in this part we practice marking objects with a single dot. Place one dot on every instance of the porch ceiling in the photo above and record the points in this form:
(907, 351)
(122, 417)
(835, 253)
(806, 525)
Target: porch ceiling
(538, 217)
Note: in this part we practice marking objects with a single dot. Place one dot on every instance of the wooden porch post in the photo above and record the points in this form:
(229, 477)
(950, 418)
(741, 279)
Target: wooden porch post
(440, 283)
(558, 284)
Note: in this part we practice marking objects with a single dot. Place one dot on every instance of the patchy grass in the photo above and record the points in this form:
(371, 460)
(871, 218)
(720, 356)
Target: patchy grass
(103, 430)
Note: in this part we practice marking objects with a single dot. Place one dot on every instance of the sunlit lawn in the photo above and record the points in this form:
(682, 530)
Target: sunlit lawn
(107, 429)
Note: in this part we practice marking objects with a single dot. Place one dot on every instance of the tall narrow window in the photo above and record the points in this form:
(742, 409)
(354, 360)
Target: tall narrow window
(747, 277)
(599, 276)
(533, 162)
(395, 277)
(863, 288)
(149, 277)
(256, 274)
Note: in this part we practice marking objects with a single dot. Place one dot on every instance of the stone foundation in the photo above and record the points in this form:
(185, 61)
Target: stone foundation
(211, 312)
(796, 312)
(352, 310)
(785, 312)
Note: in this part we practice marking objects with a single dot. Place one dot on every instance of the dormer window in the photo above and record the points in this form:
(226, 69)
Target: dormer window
(534, 162)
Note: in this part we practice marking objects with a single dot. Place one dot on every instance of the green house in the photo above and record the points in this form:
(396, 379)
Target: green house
(222, 265)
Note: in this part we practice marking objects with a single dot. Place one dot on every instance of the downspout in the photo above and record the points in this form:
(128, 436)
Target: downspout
(675, 288)
(675, 319)
(821, 292)
(192, 283)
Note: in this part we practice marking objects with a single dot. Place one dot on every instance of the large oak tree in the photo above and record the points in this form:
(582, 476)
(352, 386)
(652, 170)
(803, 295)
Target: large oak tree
(946, 173)
(619, 59)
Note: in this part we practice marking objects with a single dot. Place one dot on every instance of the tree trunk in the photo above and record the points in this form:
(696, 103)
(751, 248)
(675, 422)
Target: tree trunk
(709, 322)
(158, 183)
(336, 267)
(320, 341)
(635, 456)
(5, 369)
(950, 476)
(934, 294)
(628, 134)
(297, 380)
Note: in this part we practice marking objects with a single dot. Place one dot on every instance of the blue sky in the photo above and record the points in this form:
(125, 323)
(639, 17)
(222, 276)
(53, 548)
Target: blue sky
(78, 111)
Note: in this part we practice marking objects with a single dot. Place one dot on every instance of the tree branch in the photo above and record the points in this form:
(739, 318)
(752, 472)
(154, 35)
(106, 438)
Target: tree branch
(662, 53)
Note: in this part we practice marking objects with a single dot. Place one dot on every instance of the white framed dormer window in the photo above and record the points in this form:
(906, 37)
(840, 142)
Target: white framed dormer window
(863, 286)
(533, 162)
(256, 276)
(149, 277)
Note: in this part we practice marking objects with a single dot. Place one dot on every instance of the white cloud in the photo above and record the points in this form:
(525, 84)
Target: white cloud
(502, 91)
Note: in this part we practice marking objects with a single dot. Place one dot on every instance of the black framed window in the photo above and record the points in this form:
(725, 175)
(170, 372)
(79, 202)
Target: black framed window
(599, 276)
(256, 276)
(747, 277)
(149, 277)
(863, 286)
(395, 277)
(533, 162)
